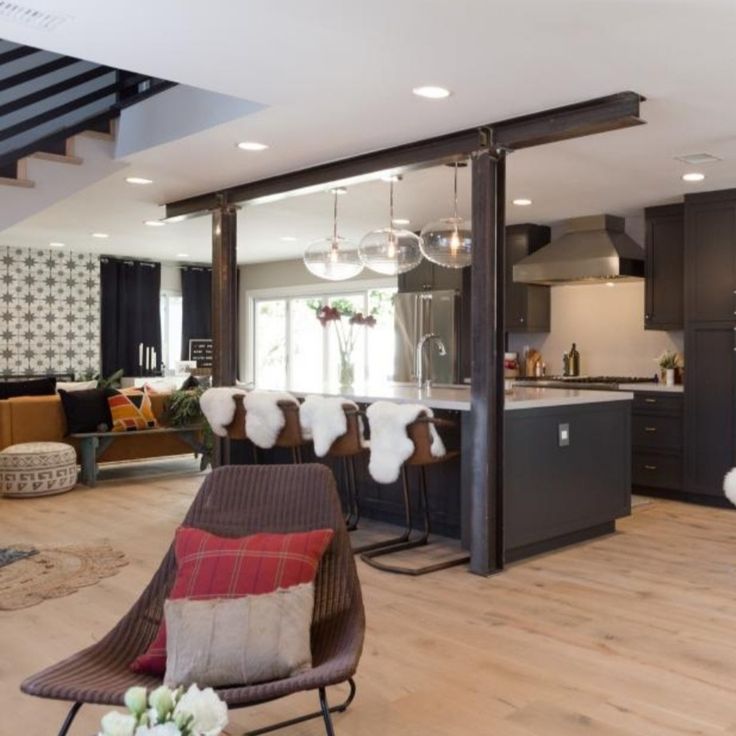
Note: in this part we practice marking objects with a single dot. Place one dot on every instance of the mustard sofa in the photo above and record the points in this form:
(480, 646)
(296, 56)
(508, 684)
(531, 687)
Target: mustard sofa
(42, 419)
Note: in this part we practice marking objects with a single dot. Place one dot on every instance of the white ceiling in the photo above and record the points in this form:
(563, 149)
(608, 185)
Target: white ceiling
(336, 78)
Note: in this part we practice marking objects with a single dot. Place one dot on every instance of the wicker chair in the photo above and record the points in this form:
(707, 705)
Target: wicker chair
(236, 501)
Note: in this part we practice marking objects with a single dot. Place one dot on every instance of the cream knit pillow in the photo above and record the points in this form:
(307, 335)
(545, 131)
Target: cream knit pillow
(239, 641)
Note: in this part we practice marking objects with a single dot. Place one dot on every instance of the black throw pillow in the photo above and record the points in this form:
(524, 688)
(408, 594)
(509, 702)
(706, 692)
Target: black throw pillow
(86, 411)
(31, 387)
(190, 383)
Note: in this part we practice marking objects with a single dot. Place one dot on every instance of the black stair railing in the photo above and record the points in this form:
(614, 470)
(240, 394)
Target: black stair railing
(46, 98)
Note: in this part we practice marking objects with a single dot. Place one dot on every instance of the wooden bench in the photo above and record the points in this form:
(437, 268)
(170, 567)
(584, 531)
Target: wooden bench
(93, 444)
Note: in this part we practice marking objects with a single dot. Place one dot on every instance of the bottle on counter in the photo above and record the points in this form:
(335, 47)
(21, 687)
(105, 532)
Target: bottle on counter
(574, 360)
(565, 364)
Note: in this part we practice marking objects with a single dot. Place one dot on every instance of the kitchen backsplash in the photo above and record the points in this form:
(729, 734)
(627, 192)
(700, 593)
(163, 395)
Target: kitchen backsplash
(607, 325)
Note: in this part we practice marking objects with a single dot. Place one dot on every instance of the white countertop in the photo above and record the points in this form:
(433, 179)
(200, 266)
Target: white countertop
(660, 387)
(458, 397)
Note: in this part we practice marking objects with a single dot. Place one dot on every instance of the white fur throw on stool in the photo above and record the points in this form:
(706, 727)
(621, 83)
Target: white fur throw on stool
(218, 407)
(729, 486)
(323, 420)
(390, 444)
(264, 418)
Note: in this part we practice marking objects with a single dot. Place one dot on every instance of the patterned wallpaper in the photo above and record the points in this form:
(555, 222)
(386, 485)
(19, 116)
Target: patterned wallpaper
(49, 311)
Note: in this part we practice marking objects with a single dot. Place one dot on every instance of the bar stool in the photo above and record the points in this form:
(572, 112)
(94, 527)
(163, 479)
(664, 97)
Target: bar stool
(290, 437)
(419, 433)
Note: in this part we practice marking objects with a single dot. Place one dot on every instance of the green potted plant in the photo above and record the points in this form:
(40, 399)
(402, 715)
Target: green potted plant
(668, 363)
(183, 410)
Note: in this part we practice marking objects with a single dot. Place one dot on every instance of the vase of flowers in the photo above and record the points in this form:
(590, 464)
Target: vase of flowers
(668, 365)
(347, 323)
(166, 712)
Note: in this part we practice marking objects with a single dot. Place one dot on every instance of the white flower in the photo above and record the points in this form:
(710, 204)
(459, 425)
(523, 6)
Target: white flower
(135, 700)
(117, 724)
(163, 729)
(209, 712)
(162, 699)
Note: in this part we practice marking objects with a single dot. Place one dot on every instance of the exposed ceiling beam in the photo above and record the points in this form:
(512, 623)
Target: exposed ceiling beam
(571, 121)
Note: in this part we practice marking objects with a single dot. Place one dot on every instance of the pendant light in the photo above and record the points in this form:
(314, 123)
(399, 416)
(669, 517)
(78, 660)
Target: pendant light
(448, 242)
(333, 258)
(391, 251)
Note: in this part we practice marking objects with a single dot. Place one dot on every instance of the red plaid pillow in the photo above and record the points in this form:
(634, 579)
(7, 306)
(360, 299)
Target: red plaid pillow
(219, 567)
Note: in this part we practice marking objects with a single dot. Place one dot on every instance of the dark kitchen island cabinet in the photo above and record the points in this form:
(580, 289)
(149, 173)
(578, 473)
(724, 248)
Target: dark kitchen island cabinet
(710, 345)
(664, 277)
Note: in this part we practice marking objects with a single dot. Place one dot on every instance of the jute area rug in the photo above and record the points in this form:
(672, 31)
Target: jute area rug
(54, 572)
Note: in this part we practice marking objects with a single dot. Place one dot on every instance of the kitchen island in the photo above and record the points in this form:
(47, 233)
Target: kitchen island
(567, 463)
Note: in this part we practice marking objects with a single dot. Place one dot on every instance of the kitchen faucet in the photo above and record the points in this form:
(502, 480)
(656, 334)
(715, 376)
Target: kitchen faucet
(428, 338)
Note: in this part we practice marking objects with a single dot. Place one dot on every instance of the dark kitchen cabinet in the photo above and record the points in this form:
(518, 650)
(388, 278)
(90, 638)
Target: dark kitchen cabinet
(429, 277)
(527, 307)
(664, 285)
(710, 331)
(710, 256)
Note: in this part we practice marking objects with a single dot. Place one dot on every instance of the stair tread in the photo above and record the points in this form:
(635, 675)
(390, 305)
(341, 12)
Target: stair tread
(11, 182)
(57, 157)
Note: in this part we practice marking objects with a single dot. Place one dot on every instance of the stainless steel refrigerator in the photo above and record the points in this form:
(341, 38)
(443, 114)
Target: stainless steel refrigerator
(419, 313)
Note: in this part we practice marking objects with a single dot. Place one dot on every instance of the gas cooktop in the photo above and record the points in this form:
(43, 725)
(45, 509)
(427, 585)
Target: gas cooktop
(610, 383)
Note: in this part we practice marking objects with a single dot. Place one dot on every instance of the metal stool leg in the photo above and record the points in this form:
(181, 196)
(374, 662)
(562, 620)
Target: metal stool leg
(408, 523)
(370, 556)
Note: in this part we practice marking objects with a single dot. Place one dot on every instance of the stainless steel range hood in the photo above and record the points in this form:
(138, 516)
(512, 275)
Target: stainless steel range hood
(591, 250)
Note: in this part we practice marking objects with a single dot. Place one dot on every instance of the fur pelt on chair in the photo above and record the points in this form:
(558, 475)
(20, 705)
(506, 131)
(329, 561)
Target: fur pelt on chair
(218, 407)
(390, 444)
(323, 420)
(264, 418)
(729, 486)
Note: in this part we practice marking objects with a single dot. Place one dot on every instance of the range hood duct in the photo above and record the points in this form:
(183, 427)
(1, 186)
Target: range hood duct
(591, 250)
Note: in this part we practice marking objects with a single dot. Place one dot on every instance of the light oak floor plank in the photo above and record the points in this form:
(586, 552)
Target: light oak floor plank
(630, 634)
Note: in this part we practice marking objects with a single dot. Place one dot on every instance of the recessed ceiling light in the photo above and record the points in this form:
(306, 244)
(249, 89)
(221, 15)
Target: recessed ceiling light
(610, 283)
(431, 92)
(177, 218)
(100, 235)
(522, 202)
(56, 245)
(138, 180)
(400, 221)
(693, 176)
(182, 255)
(252, 146)
(288, 238)
(154, 223)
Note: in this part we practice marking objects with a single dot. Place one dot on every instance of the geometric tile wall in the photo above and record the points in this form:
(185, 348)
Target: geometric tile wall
(49, 312)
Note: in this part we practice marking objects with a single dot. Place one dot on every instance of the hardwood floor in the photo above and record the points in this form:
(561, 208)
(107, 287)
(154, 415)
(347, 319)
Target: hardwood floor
(630, 634)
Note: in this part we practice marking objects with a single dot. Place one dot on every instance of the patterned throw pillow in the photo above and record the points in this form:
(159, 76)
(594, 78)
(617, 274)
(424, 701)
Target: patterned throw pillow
(209, 567)
(131, 410)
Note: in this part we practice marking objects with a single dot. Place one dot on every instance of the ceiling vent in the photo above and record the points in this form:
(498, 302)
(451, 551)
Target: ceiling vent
(698, 158)
(30, 17)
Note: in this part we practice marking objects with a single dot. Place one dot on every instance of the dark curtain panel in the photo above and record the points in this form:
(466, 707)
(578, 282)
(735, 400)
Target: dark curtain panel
(130, 300)
(196, 292)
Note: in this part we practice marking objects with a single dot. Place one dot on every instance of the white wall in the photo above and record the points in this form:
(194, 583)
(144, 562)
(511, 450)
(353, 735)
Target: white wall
(607, 324)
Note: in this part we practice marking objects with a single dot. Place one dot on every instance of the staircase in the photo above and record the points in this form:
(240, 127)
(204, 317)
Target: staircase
(47, 100)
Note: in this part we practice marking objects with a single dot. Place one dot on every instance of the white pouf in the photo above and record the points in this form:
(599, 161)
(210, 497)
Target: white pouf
(37, 469)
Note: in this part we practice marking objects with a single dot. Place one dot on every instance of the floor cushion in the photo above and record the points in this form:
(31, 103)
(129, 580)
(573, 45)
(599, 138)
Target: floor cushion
(210, 567)
(37, 469)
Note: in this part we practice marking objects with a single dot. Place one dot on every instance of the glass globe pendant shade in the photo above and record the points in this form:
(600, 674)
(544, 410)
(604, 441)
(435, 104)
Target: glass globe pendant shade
(390, 251)
(447, 242)
(334, 259)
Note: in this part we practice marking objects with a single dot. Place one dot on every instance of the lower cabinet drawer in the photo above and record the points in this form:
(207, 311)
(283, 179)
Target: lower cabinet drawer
(656, 432)
(656, 471)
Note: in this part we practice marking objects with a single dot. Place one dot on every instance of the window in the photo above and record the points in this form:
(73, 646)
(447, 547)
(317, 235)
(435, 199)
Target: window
(291, 348)
(171, 319)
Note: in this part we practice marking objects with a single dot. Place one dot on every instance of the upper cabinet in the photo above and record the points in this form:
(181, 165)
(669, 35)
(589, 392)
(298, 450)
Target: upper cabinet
(710, 256)
(429, 277)
(664, 246)
(527, 307)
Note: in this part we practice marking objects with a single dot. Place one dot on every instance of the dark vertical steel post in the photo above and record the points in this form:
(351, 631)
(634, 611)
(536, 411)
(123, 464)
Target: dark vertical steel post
(224, 306)
(487, 389)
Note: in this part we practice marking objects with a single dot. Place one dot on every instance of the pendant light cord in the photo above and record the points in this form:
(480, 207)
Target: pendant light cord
(334, 221)
(455, 211)
(391, 206)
